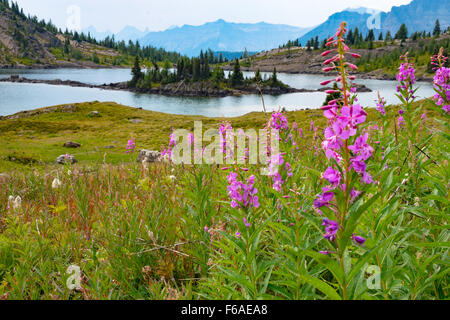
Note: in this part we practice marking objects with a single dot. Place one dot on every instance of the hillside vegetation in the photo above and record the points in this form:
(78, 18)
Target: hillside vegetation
(26, 41)
(379, 61)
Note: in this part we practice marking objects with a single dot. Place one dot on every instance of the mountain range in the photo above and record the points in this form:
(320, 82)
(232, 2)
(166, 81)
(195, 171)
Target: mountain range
(419, 15)
(220, 35)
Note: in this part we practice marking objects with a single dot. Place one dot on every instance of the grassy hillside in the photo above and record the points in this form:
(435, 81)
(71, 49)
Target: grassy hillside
(380, 62)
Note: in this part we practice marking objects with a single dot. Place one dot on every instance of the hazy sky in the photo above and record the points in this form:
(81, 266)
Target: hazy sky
(162, 14)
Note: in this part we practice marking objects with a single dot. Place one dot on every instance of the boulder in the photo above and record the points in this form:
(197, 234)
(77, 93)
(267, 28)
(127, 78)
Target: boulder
(94, 114)
(148, 156)
(66, 159)
(71, 144)
(109, 147)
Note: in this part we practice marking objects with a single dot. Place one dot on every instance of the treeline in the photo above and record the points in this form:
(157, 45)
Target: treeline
(357, 40)
(127, 48)
(196, 69)
(420, 54)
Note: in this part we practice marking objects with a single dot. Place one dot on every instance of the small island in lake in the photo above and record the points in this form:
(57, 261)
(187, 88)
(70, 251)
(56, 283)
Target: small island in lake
(193, 77)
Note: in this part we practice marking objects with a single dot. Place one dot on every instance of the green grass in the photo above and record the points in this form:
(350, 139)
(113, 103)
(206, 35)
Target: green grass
(41, 137)
(138, 232)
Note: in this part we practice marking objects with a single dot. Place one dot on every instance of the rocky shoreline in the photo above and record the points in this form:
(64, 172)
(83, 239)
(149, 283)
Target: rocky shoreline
(182, 89)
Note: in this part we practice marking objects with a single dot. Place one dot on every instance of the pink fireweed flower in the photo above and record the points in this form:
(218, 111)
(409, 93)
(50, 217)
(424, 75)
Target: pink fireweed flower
(324, 83)
(331, 229)
(325, 53)
(279, 121)
(381, 106)
(190, 139)
(352, 116)
(401, 122)
(323, 199)
(130, 146)
(238, 234)
(361, 148)
(242, 194)
(351, 65)
(333, 176)
(246, 223)
(441, 83)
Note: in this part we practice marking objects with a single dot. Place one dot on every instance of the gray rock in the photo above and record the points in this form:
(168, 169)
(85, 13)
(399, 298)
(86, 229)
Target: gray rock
(69, 108)
(94, 114)
(71, 144)
(66, 159)
(148, 156)
(136, 121)
(110, 147)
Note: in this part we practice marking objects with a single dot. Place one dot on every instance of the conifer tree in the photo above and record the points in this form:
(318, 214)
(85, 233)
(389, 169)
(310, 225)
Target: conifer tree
(136, 72)
(402, 33)
(237, 77)
(437, 29)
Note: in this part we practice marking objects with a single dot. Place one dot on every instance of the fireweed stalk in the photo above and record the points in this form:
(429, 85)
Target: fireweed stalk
(441, 81)
(345, 147)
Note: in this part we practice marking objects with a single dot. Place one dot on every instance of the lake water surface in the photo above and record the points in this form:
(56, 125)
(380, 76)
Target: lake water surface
(15, 97)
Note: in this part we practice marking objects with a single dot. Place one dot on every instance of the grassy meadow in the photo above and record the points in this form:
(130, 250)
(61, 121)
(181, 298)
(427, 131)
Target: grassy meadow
(165, 231)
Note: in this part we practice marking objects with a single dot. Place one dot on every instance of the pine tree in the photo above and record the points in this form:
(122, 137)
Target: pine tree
(316, 43)
(237, 78)
(274, 78)
(380, 38)
(402, 33)
(136, 72)
(437, 29)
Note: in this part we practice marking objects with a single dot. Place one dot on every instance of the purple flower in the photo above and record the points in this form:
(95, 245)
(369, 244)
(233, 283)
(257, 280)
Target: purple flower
(401, 122)
(130, 146)
(357, 239)
(333, 176)
(361, 148)
(441, 83)
(323, 199)
(381, 106)
(242, 194)
(331, 229)
(279, 121)
(246, 223)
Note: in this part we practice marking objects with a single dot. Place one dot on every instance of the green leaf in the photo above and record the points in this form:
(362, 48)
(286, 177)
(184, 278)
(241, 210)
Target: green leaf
(321, 286)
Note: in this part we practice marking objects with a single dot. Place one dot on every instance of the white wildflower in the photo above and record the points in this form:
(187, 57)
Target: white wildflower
(15, 203)
(56, 183)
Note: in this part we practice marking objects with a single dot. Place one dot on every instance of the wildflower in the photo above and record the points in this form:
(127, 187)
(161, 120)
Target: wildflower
(357, 239)
(241, 194)
(246, 223)
(400, 122)
(238, 234)
(381, 105)
(15, 203)
(333, 176)
(279, 121)
(331, 229)
(130, 146)
(441, 83)
(206, 228)
(173, 178)
(323, 200)
(56, 183)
